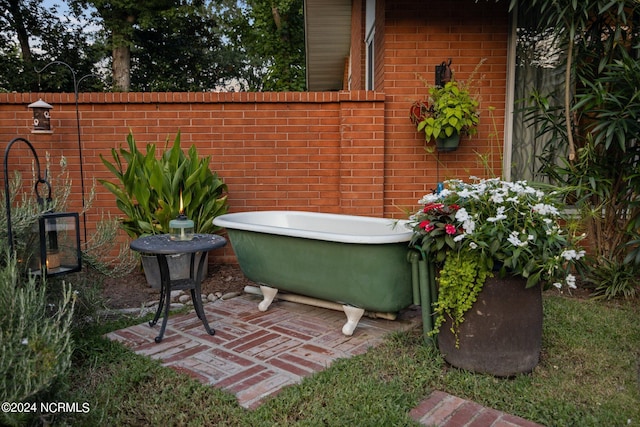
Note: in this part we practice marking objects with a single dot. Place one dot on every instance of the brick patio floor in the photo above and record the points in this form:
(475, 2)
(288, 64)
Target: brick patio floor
(255, 354)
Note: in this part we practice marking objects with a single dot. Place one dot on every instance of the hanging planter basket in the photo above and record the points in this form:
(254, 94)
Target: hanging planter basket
(448, 144)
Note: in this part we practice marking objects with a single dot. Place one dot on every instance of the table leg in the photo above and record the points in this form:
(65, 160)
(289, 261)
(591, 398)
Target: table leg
(196, 293)
(165, 280)
(164, 298)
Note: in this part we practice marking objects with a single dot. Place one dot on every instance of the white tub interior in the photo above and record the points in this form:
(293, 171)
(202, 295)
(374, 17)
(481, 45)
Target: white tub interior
(319, 226)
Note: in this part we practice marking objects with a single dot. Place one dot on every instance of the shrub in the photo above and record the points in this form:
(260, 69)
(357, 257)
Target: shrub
(35, 337)
(147, 188)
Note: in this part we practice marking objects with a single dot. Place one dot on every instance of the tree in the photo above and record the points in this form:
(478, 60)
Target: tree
(17, 16)
(41, 38)
(597, 119)
(154, 45)
(120, 18)
(271, 35)
(182, 49)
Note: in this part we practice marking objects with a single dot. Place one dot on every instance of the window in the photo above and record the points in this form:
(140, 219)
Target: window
(537, 64)
(369, 42)
(370, 62)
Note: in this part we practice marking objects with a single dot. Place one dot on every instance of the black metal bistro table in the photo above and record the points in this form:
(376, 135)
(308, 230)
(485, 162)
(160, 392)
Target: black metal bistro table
(161, 245)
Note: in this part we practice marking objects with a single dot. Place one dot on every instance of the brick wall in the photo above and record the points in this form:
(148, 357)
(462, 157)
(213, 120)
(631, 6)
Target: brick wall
(307, 151)
(347, 152)
(418, 36)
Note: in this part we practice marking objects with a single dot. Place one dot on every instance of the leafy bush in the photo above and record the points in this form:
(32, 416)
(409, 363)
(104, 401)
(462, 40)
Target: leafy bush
(147, 189)
(97, 251)
(35, 337)
(611, 279)
(597, 124)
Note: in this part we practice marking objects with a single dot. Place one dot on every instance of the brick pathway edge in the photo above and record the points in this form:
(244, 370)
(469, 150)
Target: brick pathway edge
(441, 409)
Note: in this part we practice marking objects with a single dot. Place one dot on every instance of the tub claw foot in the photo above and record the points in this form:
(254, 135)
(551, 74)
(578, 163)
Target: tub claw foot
(268, 294)
(353, 317)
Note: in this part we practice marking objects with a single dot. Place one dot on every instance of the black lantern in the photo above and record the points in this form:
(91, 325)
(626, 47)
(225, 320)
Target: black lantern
(41, 116)
(59, 244)
(57, 234)
(443, 73)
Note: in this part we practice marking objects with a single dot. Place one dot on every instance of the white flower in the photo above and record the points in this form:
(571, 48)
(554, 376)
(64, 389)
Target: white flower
(464, 193)
(462, 215)
(469, 226)
(558, 285)
(499, 215)
(497, 198)
(429, 198)
(459, 237)
(514, 239)
(544, 209)
(444, 193)
(571, 281)
(570, 254)
(24, 341)
(473, 245)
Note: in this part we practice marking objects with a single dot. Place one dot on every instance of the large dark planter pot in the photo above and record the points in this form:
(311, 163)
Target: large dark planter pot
(448, 144)
(502, 333)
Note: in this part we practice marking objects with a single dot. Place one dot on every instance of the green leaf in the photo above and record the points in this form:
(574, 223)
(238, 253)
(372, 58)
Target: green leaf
(149, 188)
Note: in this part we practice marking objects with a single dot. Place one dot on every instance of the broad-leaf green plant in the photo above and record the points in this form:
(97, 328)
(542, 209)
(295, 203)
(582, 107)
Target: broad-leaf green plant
(147, 188)
(595, 122)
(453, 110)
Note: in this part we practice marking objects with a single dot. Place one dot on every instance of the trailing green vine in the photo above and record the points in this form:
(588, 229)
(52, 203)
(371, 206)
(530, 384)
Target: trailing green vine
(461, 280)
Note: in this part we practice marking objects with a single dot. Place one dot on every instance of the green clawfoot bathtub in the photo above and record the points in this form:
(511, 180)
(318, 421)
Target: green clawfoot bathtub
(357, 262)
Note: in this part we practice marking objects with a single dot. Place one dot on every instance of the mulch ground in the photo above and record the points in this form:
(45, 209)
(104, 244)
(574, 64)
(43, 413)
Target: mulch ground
(132, 290)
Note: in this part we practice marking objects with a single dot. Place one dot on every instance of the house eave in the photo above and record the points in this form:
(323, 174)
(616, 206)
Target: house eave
(327, 43)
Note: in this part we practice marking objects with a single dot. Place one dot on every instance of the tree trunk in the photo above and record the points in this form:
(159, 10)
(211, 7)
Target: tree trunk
(122, 68)
(21, 31)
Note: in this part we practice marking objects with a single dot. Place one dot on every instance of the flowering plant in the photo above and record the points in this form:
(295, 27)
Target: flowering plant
(492, 225)
(511, 224)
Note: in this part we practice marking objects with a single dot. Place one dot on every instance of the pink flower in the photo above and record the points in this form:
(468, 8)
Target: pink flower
(426, 225)
(450, 229)
(432, 206)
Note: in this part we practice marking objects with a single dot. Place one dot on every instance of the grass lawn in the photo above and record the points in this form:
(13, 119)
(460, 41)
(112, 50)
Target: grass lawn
(589, 375)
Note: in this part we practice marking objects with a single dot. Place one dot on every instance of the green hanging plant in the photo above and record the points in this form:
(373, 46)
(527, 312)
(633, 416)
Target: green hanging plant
(453, 111)
(461, 279)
